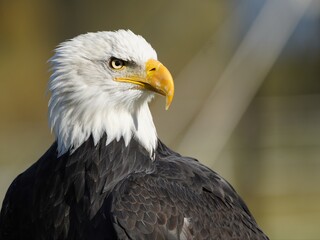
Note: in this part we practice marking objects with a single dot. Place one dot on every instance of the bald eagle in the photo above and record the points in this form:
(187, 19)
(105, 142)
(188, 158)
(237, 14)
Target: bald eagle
(107, 175)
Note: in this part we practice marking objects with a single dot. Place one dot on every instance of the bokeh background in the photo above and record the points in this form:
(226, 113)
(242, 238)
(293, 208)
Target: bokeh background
(247, 99)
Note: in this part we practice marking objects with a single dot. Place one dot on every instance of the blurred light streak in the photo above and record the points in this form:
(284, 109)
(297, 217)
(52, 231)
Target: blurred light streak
(241, 78)
(196, 80)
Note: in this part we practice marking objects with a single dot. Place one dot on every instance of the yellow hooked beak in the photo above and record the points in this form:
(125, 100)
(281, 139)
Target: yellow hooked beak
(157, 79)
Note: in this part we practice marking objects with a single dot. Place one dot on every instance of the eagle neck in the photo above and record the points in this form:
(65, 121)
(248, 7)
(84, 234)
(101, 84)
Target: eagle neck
(73, 126)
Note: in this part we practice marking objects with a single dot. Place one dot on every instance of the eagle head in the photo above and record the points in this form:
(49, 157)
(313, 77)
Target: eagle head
(101, 84)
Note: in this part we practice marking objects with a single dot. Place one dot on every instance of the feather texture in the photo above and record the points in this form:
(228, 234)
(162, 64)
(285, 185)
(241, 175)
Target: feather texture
(116, 192)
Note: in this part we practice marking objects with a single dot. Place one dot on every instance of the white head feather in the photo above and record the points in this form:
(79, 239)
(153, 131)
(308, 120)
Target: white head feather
(85, 99)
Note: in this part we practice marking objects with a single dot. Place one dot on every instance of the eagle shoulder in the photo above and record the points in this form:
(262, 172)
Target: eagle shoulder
(180, 199)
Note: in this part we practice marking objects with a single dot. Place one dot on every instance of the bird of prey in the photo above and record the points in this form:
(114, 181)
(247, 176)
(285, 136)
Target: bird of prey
(107, 175)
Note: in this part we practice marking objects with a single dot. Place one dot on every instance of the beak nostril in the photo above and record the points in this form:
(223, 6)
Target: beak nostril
(152, 69)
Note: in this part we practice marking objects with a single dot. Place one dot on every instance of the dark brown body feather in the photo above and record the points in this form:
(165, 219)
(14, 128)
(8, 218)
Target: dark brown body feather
(117, 192)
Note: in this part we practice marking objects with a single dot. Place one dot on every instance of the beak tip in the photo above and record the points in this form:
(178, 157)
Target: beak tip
(168, 101)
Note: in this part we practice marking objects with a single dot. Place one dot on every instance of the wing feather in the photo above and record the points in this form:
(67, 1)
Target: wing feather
(181, 199)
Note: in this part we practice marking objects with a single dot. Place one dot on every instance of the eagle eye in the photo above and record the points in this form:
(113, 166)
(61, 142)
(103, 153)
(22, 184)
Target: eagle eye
(117, 64)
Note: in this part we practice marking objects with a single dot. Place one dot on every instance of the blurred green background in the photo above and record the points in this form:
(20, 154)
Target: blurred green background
(247, 99)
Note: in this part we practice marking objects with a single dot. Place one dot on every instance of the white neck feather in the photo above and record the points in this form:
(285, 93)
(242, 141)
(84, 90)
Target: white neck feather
(73, 126)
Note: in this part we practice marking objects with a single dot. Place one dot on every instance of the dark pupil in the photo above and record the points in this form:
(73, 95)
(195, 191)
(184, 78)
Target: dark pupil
(117, 63)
